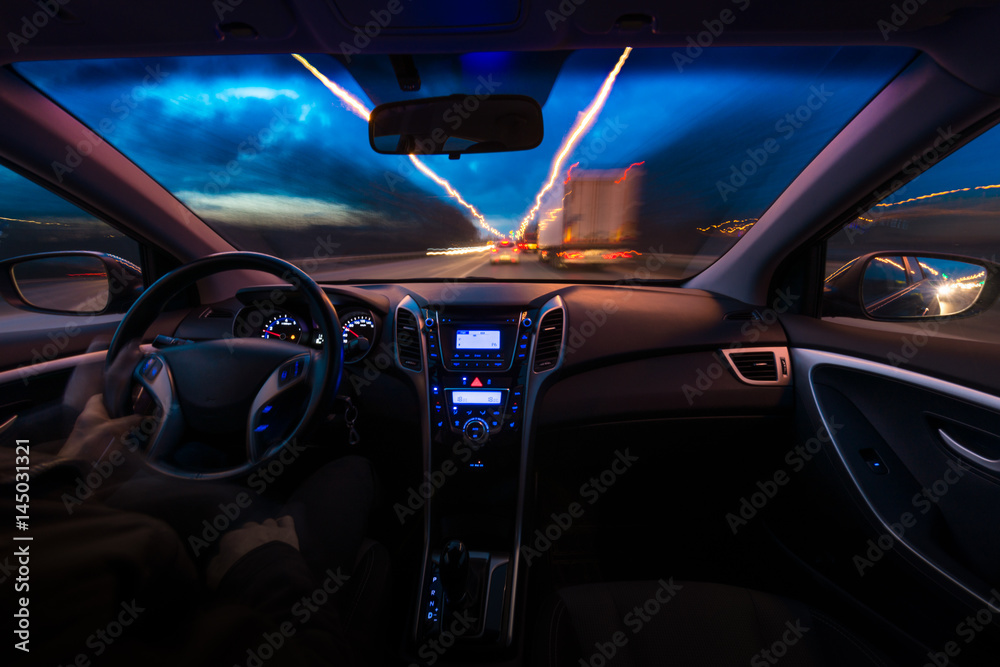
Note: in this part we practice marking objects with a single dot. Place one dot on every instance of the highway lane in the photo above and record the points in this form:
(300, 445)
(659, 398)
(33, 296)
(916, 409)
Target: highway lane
(528, 268)
(441, 266)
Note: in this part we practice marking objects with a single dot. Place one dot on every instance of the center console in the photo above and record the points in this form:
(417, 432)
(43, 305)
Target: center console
(477, 376)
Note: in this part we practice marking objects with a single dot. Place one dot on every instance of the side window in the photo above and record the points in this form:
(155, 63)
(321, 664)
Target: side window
(34, 220)
(952, 209)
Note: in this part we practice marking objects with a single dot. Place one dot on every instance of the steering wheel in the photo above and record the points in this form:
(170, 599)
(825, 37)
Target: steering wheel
(211, 385)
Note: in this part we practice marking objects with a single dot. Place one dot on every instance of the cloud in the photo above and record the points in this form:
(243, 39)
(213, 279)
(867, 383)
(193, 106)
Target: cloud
(273, 210)
(258, 92)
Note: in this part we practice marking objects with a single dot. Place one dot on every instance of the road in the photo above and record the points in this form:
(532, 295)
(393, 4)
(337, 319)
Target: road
(528, 268)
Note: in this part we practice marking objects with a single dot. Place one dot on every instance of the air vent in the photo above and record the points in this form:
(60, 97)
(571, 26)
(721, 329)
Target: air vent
(407, 340)
(761, 365)
(549, 341)
(216, 312)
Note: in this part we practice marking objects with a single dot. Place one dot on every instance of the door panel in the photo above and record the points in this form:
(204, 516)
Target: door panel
(895, 417)
(928, 504)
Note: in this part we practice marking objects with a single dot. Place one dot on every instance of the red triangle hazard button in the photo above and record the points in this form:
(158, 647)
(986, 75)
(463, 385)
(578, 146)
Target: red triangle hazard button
(476, 383)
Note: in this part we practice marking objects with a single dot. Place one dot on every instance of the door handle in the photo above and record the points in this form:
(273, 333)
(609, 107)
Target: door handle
(968, 454)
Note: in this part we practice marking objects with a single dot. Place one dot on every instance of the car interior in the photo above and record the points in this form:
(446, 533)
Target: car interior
(723, 392)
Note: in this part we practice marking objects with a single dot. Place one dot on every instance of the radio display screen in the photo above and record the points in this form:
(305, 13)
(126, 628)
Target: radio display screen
(460, 397)
(467, 339)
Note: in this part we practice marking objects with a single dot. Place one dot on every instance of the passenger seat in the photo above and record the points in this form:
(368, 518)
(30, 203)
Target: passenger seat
(639, 624)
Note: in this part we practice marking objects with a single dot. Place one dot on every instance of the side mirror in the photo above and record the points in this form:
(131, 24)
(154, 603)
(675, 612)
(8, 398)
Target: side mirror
(73, 283)
(907, 286)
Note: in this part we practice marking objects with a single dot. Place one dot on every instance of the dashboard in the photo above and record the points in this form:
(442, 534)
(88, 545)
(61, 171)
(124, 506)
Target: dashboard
(627, 350)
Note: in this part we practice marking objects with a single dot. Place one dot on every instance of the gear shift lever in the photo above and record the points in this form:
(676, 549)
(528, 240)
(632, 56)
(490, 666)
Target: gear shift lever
(455, 572)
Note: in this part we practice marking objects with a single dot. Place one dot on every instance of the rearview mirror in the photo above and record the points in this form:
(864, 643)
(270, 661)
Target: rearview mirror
(455, 125)
(902, 286)
(70, 283)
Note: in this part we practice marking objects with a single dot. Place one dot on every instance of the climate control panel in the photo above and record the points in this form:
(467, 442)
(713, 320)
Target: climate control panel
(477, 372)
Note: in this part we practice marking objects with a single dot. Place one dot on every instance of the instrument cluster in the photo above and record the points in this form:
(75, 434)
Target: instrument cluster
(358, 329)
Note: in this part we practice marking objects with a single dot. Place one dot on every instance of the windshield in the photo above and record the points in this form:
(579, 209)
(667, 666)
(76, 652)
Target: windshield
(653, 163)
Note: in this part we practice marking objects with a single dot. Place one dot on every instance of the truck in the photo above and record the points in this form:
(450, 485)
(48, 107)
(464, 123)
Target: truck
(529, 242)
(597, 221)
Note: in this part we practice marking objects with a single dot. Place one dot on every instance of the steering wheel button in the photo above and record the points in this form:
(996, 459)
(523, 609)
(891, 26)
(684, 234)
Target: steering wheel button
(151, 367)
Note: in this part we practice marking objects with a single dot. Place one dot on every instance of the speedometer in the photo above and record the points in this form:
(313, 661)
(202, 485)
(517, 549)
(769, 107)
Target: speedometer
(282, 327)
(359, 335)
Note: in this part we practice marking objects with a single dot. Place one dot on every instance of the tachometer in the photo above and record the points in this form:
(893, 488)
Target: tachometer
(282, 327)
(359, 335)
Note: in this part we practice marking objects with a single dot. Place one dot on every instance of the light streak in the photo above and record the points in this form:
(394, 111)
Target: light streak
(569, 173)
(730, 227)
(355, 106)
(426, 171)
(459, 251)
(550, 217)
(886, 260)
(582, 124)
(936, 194)
(34, 222)
(625, 175)
(352, 103)
(928, 269)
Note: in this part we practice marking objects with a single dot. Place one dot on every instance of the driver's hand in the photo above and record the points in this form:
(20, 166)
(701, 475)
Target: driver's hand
(96, 435)
(235, 544)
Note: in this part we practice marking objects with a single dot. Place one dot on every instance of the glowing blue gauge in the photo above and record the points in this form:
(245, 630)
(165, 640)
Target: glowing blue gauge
(359, 335)
(282, 327)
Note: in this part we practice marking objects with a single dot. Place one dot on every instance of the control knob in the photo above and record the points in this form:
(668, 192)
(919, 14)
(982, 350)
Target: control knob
(476, 431)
